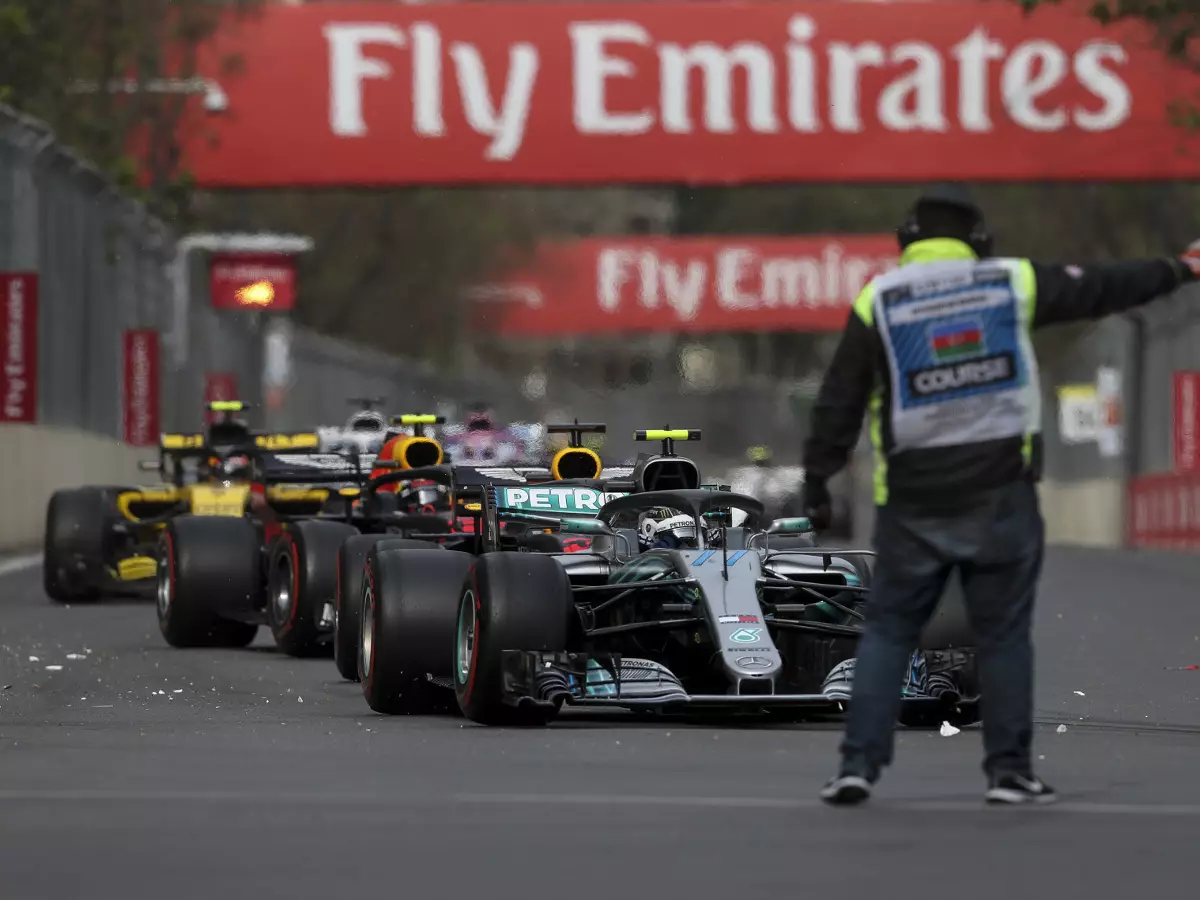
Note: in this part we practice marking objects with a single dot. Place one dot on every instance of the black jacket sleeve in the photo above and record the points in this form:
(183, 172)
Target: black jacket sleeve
(1072, 293)
(837, 415)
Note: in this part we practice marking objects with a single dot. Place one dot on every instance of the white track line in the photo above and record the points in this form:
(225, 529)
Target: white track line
(12, 564)
(328, 798)
(939, 806)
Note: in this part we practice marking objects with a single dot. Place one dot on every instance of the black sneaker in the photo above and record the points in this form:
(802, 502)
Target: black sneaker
(846, 790)
(1014, 789)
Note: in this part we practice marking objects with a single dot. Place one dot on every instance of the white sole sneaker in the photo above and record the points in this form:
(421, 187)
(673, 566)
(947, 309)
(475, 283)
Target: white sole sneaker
(846, 790)
(1020, 794)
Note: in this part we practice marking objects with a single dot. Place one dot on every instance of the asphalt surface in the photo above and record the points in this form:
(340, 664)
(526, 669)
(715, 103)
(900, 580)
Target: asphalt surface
(138, 771)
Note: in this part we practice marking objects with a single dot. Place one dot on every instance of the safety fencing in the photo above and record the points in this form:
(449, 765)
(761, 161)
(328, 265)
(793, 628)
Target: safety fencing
(1164, 425)
(97, 337)
(106, 340)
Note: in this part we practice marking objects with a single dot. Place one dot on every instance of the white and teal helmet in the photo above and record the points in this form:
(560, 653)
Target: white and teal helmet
(669, 528)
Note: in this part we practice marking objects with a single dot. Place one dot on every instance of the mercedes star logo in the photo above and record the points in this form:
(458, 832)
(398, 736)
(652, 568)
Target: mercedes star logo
(754, 662)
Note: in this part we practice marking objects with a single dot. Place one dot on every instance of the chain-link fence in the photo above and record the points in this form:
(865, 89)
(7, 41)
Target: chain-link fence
(101, 266)
(104, 266)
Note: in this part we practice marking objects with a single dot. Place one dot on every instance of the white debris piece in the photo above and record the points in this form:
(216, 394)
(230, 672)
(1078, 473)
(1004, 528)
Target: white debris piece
(53, 668)
(34, 659)
(948, 730)
(1061, 729)
(179, 691)
(1080, 694)
(299, 699)
(76, 656)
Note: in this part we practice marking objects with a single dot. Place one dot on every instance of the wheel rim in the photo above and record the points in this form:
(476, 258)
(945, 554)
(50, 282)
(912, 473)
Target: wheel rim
(281, 598)
(466, 636)
(367, 643)
(165, 588)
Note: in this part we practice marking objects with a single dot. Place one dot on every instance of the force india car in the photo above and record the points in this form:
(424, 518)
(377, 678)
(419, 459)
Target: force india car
(101, 540)
(747, 618)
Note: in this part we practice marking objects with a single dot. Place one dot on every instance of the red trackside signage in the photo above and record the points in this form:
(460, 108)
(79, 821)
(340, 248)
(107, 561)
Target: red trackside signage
(630, 285)
(586, 93)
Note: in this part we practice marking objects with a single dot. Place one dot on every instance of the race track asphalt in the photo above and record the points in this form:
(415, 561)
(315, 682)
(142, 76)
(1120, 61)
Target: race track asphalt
(137, 771)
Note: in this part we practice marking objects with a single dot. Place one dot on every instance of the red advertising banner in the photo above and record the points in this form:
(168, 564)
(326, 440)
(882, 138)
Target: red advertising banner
(219, 386)
(1185, 422)
(1164, 511)
(252, 281)
(19, 347)
(140, 357)
(659, 284)
(701, 93)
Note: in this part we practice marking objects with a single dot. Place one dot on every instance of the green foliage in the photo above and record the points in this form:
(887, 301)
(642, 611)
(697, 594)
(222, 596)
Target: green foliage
(389, 267)
(73, 63)
(1173, 22)
(1090, 222)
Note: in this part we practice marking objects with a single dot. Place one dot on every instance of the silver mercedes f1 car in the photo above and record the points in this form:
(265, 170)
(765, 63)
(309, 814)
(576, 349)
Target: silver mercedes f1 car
(688, 600)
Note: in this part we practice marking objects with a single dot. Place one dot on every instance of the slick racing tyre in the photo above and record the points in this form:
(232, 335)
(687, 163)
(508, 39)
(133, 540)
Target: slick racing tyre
(209, 567)
(409, 612)
(347, 617)
(74, 545)
(302, 576)
(510, 601)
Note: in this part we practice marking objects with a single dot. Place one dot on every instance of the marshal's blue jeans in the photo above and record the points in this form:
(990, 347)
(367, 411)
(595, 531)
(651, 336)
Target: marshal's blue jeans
(996, 540)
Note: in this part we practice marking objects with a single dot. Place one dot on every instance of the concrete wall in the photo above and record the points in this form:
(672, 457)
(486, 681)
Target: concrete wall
(38, 460)
(1084, 513)
(1087, 513)
(35, 461)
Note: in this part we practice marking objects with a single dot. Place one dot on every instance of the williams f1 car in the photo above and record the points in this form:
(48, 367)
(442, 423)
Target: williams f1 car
(672, 609)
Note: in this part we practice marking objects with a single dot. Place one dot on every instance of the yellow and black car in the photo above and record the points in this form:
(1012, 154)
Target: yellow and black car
(104, 540)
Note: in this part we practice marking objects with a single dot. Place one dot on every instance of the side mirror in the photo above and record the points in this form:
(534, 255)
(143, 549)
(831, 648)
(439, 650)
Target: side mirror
(799, 525)
(149, 465)
(585, 526)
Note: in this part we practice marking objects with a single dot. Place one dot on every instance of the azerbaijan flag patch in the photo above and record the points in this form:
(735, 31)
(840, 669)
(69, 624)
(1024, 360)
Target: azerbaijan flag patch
(956, 340)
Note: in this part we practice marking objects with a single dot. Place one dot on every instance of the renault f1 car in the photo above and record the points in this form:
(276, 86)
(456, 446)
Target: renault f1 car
(101, 540)
(672, 609)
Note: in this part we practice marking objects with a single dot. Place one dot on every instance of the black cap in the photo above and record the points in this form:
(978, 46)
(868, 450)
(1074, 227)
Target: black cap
(953, 195)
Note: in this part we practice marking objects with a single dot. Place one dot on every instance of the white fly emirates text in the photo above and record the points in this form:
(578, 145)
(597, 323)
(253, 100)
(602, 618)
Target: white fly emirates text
(734, 278)
(798, 83)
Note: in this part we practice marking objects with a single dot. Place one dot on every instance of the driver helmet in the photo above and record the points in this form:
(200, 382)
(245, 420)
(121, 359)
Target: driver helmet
(666, 528)
(423, 496)
(759, 456)
(231, 468)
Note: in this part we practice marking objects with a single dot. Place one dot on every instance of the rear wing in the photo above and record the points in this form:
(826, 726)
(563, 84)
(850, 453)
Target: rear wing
(552, 500)
(274, 442)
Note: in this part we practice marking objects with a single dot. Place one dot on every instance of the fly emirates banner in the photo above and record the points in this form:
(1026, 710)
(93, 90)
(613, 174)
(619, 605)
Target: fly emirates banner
(658, 284)
(671, 92)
